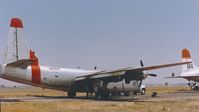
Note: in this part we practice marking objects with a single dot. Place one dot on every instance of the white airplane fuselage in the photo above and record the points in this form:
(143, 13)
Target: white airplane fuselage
(49, 77)
(192, 75)
(59, 78)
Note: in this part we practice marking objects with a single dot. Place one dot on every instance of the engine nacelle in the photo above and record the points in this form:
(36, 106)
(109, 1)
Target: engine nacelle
(133, 76)
(122, 86)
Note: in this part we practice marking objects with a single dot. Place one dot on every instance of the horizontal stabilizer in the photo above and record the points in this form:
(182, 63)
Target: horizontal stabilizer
(24, 63)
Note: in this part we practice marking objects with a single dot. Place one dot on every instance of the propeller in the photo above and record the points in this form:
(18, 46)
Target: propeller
(153, 75)
(142, 65)
(95, 68)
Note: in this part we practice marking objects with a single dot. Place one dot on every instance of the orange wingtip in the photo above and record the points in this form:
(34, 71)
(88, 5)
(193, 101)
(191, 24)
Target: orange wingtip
(16, 22)
(186, 54)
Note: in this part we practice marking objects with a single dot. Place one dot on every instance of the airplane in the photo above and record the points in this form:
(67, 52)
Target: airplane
(20, 64)
(190, 71)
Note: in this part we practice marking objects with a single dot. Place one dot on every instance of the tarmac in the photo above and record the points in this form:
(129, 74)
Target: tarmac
(174, 96)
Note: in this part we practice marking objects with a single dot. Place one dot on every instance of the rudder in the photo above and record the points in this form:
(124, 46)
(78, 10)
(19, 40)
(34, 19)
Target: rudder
(186, 57)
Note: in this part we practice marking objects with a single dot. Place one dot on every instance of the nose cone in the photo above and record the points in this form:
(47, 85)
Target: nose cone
(145, 74)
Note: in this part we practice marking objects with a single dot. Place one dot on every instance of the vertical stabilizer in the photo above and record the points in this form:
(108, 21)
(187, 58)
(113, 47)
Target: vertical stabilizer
(16, 48)
(186, 57)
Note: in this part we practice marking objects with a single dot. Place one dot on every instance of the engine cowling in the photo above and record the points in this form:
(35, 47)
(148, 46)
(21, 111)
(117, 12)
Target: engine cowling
(121, 86)
(132, 75)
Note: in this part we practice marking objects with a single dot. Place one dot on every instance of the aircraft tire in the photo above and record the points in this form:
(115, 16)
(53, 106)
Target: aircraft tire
(196, 88)
(104, 95)
(71, 94)
(143, 91)
(126, 93)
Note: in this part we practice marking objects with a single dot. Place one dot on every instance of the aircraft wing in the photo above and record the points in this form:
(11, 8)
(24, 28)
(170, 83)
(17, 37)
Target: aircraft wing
(121, 72)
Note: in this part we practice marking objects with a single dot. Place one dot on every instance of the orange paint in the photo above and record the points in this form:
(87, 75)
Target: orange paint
(16, 22)
(36, 72)
(186, 54)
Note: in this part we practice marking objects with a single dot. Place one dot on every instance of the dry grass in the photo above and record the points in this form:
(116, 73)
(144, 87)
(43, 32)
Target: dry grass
(95, 106)
(81, 106)
(18, 92)
(168, 89)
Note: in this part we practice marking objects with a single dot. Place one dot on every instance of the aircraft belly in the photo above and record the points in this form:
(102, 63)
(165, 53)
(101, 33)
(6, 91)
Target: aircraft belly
(54, 83)
(192, 75)
(56, 79)
(194, 78)
(18, 73)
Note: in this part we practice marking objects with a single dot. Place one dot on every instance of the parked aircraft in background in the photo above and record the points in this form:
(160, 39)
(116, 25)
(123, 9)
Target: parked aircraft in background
(22, 65)
(190, 71)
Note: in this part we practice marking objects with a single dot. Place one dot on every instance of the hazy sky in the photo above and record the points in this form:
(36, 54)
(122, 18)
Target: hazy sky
(108, 33)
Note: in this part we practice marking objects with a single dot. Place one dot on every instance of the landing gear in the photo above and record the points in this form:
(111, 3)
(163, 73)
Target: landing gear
(102, 96)
(101, 93)
(126, 94)
(105, 95)
(71, 94)
(196, 88)
(143, 91)
(194, 85)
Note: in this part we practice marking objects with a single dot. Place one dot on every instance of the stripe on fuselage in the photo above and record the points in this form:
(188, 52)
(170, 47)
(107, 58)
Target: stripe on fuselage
(36, 72)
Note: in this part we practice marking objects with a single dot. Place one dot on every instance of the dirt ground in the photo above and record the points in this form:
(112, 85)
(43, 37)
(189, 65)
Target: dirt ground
(169, 99)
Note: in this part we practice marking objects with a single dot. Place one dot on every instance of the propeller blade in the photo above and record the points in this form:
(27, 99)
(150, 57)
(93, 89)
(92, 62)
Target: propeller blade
(141, 63)
(95, 68)
(152, 75)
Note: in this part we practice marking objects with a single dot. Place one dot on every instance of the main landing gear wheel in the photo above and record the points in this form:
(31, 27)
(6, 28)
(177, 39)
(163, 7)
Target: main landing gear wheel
(104, 95)
(196, 88)
(194, 85)
(126, 93)
(101, 94)
(143, 91)
(71, 94)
